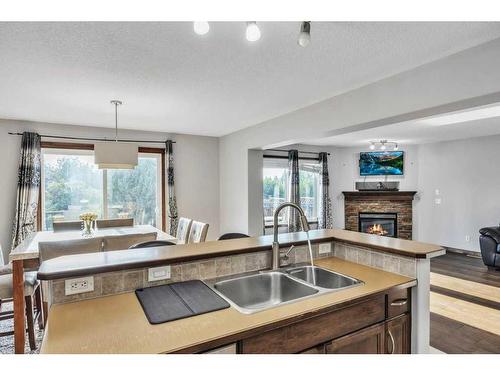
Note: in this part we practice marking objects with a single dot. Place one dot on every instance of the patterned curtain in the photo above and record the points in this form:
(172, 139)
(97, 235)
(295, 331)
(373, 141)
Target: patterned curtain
(28, 185)
(325, 220)
(293, 190)
(172, 201)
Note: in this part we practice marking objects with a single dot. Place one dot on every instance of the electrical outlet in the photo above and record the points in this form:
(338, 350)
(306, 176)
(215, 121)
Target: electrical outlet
(80, 285)
(467, 238)
(158, 273)
(325, 248)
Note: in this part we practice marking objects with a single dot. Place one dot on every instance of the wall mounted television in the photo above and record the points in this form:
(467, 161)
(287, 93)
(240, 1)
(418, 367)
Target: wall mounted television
(381, 163)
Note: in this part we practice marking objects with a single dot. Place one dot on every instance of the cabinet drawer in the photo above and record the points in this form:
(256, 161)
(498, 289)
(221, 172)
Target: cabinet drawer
(398, 302)
(367, 341)
(228, 349)
(313, 331)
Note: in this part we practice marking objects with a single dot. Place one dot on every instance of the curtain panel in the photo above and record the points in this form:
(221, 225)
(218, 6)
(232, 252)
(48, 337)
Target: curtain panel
(28, 188)
(172, 201)
(325, 219)
(293, 190)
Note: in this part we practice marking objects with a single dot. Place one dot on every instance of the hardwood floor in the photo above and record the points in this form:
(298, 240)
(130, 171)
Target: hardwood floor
(465, 305)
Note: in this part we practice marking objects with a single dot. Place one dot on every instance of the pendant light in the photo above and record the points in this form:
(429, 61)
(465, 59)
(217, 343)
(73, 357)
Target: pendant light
(116, 155)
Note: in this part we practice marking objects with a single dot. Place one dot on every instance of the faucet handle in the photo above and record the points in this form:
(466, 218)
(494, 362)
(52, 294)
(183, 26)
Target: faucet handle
(286, 255)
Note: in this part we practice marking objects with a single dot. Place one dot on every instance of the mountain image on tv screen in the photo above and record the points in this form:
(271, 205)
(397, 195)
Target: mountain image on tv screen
(381, 163)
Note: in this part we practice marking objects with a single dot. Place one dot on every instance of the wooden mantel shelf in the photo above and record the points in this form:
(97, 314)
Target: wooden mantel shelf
(379, 195)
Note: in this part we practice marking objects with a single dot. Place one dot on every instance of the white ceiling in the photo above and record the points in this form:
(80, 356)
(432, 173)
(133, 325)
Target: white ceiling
(414, 132)
(173, 80)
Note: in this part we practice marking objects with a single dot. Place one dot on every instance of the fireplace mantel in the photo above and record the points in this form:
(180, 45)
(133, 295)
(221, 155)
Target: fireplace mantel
(379, 195)
(399, 202)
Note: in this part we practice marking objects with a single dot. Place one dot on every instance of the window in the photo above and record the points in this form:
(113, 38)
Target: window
(72, 184)
(275, 188)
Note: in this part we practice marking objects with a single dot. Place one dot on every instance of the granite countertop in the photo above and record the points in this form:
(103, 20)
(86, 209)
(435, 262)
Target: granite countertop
(117, 324)
(88, 264)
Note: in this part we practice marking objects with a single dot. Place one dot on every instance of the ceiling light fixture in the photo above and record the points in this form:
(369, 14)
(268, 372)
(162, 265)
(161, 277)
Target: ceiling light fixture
(115, 155)
(464, 116)
(305, 34)
(201, 28)
(382, 145)
(253, 32)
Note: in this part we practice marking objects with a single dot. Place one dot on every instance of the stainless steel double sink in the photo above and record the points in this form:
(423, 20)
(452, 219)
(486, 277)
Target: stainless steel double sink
(267, 289)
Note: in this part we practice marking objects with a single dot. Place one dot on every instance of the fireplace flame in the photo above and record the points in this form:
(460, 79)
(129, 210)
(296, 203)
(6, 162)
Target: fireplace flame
(377, 229)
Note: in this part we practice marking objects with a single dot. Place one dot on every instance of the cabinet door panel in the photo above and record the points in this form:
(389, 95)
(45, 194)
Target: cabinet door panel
(398, 335)
(367, 341)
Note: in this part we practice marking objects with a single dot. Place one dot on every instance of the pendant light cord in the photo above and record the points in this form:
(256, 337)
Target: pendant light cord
(116, 121)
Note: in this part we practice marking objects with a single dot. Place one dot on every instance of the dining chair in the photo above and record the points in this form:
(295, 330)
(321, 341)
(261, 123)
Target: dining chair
(111, 223)
(183, 228)
(198, 232)
(53, 249)
(124, 242)
(231, 236)
(151, 244)
(32, 300)
(64, 226)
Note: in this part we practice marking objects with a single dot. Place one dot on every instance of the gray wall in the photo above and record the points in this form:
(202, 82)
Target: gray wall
(196, 170)
(467, 175)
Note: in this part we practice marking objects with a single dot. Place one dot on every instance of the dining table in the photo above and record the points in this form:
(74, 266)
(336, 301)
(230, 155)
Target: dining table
(26, 257)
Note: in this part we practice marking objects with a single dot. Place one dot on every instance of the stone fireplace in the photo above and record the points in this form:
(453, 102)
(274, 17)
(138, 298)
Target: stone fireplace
(384, 213)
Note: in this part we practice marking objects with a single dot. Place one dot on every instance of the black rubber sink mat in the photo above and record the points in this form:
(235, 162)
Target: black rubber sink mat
(175, 301)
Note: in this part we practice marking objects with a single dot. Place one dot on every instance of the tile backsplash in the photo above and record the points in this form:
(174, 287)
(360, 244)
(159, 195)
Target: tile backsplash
(402, 265)
(130, 280)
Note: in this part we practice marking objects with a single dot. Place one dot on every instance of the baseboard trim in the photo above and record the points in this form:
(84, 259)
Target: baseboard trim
(473, 254)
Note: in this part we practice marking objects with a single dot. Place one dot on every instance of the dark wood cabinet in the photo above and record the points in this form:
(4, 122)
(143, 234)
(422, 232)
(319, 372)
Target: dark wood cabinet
(370, 340)
(397, 335)
(379, 324)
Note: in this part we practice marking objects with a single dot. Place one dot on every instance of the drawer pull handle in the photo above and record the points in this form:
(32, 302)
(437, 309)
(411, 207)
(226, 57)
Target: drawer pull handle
(399, 302)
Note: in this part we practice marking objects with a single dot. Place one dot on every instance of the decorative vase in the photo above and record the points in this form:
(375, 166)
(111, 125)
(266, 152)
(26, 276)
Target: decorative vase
(88, 228)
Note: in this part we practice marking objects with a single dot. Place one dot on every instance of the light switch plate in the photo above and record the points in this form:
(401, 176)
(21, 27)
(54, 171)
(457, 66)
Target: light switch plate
(158, 273)
(80, 285)
(325, 248)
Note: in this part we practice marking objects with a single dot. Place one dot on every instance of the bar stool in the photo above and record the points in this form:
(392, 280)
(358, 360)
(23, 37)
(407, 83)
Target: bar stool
(32, 298)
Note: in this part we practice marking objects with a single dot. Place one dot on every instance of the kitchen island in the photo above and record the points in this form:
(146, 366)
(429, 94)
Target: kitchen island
(113, 321)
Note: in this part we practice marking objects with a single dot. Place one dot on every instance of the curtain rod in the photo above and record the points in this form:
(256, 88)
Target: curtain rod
(300, 152)
(92, 139)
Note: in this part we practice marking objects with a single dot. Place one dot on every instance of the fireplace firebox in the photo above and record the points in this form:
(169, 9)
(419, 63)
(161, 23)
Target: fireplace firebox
(381, 224)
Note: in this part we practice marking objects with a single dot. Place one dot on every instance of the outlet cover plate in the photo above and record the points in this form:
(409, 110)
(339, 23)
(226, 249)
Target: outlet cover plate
(79, 285)
(158, 273)
(325, 248)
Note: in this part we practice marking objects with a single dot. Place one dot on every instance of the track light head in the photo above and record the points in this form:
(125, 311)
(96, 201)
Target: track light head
(253, 32)
(305, 34)
(201, 28)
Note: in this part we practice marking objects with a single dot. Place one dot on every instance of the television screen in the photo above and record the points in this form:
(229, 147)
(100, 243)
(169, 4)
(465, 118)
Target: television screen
(381, 163)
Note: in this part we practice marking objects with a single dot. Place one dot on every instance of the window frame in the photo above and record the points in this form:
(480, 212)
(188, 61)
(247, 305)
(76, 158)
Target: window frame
(90, 147)
(301, 158)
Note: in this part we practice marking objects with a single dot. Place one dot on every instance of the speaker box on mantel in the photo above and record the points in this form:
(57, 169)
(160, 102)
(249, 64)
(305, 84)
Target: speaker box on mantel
(377, 186)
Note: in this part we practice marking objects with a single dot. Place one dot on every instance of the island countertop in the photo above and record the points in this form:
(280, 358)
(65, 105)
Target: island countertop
(88, 264)
(117, 324)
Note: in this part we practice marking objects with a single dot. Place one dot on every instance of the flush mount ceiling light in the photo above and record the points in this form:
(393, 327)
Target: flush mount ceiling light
(305, 34)
(463, 116)
(201, 27)
(115, 155)
(382, 145)
(253, 32)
